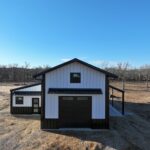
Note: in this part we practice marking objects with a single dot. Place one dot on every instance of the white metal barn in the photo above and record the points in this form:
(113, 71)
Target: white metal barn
(26, 100)
(74, 94)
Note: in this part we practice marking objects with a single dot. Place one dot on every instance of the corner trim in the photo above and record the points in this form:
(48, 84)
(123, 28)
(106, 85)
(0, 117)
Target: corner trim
(43, 101)
(107, 101)
(11, 103)
(99, 124)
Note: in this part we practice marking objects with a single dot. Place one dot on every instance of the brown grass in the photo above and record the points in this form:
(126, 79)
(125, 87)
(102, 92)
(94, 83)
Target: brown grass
(131, 132)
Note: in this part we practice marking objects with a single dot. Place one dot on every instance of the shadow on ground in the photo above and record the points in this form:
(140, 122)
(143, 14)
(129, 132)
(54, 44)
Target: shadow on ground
(143, 110)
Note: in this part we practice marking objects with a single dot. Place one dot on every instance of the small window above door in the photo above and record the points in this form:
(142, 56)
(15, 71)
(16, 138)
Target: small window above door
(75, 77)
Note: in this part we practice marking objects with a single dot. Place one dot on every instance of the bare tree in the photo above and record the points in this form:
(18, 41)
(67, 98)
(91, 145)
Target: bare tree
(122, 72)
(16, 73)
(146, 72)
(104, 65)
(26, 67)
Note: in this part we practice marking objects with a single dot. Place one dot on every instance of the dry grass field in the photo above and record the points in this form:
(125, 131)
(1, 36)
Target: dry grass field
(131, 132)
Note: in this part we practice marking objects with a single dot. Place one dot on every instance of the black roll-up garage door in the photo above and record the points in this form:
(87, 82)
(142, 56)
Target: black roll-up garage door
(75, 111)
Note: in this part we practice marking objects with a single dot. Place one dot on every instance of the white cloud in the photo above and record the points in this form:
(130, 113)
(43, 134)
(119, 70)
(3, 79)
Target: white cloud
(65, 59)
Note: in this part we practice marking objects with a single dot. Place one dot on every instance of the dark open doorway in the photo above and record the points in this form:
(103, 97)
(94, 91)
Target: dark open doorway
(35, 106)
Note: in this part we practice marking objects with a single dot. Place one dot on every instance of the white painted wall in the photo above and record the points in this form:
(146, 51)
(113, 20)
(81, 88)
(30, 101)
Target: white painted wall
(98, 107)
(33, 88)
(60, 78)
(52, 106)
(27, 101)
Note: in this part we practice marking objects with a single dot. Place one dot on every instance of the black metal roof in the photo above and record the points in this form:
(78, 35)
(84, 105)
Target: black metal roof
(79, 61)
(74, 91)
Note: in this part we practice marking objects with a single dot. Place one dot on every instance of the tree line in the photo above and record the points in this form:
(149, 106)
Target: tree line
(16, 73)
(127, 73)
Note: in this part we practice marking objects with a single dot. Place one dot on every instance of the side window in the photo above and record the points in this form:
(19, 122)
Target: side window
(75, 77)
(19, 100)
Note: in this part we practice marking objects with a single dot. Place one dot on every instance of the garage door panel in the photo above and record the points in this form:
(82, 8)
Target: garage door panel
(75, 111)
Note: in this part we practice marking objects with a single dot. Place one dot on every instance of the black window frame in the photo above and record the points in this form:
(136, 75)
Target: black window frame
(18, 101)
(73, 80)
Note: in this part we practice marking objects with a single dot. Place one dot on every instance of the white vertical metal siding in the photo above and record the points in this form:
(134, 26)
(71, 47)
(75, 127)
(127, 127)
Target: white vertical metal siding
(33, 88)
(27, 101)
(52, 106)
(60, 78)
(98, 107)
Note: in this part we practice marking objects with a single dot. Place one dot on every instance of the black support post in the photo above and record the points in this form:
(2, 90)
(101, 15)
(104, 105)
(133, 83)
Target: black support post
(123, 97)
(122, 103)
(112, 97)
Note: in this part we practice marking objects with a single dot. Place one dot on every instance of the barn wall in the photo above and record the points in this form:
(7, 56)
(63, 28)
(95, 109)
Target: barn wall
(98, 107)
(52, 106)
(26, 99)
(60, 78)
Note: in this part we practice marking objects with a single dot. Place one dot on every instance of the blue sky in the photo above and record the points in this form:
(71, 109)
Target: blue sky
(51, 31)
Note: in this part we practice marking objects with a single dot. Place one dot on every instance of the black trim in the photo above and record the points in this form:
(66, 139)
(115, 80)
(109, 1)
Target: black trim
(50, 124)
(55, 124)
(107, 101)
(99, 124)
(11, 103)
(27, 93)
(23, 87)
(21, 110)
(120, 90)
(79, 61)
(43, 103)
(74, 91)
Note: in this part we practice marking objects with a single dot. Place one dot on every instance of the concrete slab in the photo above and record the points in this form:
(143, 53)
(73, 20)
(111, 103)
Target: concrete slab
(114, 112)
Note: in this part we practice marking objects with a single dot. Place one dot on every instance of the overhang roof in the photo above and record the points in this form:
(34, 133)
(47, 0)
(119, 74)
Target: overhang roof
(79, 61)
(73, 91)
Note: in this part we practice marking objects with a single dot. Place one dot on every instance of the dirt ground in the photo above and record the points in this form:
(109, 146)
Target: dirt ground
(131, 132)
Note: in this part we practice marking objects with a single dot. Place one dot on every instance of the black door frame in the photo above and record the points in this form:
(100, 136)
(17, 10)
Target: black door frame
(33, 105)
